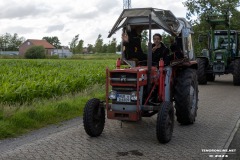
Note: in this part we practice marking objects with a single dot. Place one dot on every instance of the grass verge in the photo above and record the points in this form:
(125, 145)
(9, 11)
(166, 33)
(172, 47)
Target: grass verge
(17, 120)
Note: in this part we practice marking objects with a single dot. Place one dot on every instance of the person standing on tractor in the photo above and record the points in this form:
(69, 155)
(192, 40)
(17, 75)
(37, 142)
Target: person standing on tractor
(132, 42)
(159, 50)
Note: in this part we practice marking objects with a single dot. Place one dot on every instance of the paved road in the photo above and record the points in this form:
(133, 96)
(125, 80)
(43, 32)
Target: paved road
(218, 116)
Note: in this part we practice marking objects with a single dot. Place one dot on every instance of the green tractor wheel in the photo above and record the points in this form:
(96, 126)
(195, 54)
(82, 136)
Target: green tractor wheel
(236, 72)
(211, 77)
(201, 72)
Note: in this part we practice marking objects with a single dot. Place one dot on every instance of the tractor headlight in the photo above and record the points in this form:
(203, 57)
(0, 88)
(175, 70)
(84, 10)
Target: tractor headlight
(134, 96)
(219, 56)
(112, 95)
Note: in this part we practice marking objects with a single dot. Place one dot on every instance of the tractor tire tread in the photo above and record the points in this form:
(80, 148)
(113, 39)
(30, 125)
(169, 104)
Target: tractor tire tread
(182, 96)
(88, 121)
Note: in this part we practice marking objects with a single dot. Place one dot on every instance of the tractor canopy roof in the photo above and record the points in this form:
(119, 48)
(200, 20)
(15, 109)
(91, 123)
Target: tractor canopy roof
(160, 19)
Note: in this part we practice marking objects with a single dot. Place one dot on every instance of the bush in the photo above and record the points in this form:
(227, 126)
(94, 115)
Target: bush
(35, 52)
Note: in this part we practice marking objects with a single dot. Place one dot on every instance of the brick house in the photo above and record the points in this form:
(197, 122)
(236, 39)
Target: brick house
(34, 42)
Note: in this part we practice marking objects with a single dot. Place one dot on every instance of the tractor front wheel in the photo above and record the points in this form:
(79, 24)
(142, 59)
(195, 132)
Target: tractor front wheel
(93, 118)
(236, 72)
(201, 72)
(165, 122)
(186, 96)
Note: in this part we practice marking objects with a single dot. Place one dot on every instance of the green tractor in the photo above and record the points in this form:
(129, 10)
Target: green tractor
(222, 55)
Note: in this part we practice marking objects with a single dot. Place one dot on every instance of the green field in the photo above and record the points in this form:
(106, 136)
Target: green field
(36, 93)
(22, 81)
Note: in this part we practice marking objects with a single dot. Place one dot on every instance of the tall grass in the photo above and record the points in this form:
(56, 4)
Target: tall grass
(16, 120)
(97, 56)
(35, 93)
(22, 81)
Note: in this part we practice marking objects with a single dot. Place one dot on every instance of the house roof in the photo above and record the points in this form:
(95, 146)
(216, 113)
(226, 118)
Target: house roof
(43, 43)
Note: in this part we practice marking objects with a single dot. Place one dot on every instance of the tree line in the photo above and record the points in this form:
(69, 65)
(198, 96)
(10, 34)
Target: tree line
(76, 46)
(195, 8)
(10, 42)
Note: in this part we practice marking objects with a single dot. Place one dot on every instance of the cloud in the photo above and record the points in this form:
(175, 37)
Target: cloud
(65, 19)
(94, 11)
(19, 30)
(84, 15)
(22, 11)
(55, 28)
(107, 6)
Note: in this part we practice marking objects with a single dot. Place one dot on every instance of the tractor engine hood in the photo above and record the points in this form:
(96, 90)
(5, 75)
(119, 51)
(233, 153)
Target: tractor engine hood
(132, 76)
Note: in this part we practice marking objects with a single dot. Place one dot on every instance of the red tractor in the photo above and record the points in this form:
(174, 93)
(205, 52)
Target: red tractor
(141, 90)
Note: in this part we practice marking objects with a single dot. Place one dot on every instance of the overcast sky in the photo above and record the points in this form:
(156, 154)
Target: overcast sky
(34, 19)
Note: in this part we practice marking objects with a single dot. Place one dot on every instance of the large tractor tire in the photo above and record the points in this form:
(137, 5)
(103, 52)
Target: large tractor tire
(165, 122)
(236, 72)
(93, 118)
(211, 77)
(186, 96)
(201, 72)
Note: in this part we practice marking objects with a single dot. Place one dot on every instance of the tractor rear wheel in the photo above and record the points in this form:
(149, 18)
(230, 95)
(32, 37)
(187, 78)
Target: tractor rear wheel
(186, 96)
(236, 72)
(93, 118)
(201, 72)
(165, 122)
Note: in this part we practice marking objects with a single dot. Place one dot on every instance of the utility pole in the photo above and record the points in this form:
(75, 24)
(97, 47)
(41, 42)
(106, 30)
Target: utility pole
(126, 4)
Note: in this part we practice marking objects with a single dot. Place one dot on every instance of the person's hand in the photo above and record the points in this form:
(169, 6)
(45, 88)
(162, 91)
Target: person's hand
(125, 37)
(155, 47)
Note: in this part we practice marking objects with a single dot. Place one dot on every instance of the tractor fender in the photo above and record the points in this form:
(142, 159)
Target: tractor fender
(190, 64)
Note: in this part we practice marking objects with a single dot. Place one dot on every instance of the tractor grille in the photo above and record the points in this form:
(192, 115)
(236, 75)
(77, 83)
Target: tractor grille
(123, 78)
(124, 95)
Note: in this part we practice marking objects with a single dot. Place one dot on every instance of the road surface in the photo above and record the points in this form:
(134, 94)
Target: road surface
(208, 138)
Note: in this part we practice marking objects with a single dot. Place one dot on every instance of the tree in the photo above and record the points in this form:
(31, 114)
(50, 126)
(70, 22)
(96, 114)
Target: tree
(144, 42)
(73, 44)
(112, 46)
(10, 42)
(90, 48)
(119, 47)
(98, 44)
(201, 8)
(104, 48)
(35, 52)
(79, 47)
(166, 39)
(53, 40)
